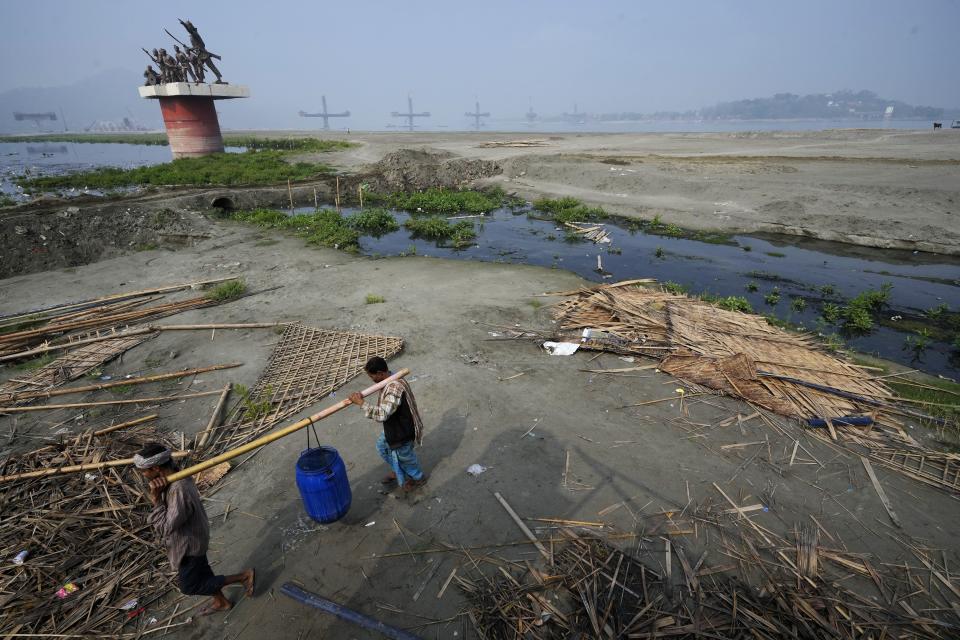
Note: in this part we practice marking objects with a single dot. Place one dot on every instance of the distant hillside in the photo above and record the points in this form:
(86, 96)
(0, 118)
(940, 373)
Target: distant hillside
(841, 105)
(108, 96)
(860, 105)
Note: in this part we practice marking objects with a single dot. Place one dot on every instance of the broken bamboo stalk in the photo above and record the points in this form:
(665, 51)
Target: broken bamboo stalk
(124, 425)
(280, 433)
(83, 405)
(130, 381)
(76, 468)
(215, 418)
(526, 531)
(880, 492)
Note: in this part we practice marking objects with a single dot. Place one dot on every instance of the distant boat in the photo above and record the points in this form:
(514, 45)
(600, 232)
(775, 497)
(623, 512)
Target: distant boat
(955, 124)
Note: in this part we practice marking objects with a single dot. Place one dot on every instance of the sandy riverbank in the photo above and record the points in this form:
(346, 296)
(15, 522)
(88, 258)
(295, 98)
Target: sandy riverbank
(477, 409)
(879, 188)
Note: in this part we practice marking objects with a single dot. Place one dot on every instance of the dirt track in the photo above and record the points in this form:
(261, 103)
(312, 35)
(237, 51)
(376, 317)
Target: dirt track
(880, 188)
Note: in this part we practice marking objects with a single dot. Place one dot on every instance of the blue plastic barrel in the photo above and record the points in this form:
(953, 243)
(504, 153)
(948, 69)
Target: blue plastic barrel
(323, 484)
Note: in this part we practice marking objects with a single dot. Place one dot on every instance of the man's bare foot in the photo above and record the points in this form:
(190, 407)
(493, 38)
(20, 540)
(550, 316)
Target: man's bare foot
(214, 607)
(248, 581)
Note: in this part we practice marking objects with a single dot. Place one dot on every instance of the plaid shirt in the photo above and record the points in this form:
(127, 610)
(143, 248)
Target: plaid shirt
(387, 404)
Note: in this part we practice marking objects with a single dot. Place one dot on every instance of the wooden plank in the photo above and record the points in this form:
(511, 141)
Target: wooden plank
(880, 492)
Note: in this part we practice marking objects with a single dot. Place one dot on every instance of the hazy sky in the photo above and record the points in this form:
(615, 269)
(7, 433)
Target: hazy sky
(604, 56)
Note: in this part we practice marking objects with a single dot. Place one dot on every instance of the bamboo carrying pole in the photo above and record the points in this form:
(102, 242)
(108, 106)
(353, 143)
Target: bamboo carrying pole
(276, 435)
(92, 466)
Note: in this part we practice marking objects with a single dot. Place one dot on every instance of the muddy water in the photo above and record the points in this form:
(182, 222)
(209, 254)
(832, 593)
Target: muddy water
(816, 272)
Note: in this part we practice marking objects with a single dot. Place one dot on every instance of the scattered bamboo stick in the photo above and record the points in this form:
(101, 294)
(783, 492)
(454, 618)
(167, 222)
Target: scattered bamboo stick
(880, 492)
(214, 421)
(83, 405)
(124, 425)
(126, 382)
(526, 531)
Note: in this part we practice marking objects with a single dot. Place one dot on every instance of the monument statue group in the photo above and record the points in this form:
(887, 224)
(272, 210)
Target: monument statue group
(184, 65)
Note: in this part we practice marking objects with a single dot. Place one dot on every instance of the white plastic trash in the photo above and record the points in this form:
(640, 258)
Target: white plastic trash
(476, 469)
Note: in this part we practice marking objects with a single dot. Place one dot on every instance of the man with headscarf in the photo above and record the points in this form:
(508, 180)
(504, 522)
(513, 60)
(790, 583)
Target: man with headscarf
(396, 409)
(180, 520)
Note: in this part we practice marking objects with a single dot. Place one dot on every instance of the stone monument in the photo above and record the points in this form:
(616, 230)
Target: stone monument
(186, 102)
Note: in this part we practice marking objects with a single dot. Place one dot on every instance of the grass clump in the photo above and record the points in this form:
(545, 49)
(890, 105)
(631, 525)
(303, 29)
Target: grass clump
(734, 303)
(251, 167)
(675, 288)
(752, 287)
(36, 363)
(798, 304)
(830, 312)
(375, 299)
(564, 210)
(772, 298)
(373, 221)
(438, 229)
(775, 254)
(445, 201)
(857, 315)
(7, 201)
(325, 228)
(227, 291)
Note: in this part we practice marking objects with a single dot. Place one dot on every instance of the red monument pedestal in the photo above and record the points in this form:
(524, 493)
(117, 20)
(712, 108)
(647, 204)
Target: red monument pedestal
(189, 114)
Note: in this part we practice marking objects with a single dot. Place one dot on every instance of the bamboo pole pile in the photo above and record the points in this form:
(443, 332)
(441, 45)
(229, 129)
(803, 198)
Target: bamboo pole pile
(742, 356)
(91, 560)
(27, 334)
(763, 587)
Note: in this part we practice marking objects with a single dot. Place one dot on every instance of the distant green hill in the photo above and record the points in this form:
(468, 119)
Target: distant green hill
(863, 105)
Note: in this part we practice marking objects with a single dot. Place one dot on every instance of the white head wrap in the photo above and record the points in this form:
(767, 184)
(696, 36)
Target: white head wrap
(155, 460)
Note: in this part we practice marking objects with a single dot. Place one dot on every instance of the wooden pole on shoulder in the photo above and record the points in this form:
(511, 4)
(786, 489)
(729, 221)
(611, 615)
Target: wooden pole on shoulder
(276, 435)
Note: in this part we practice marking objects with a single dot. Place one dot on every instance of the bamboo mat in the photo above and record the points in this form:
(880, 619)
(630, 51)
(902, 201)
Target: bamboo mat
(67, 367)
(307, 365)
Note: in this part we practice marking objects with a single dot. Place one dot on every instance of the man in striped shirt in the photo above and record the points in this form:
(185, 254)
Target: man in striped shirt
(181, 522)
(396, 409)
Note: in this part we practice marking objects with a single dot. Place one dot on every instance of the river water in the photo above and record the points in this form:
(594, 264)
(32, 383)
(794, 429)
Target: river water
(815, 271)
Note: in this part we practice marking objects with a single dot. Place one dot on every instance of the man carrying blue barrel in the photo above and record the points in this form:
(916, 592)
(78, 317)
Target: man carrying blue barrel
(396, 408)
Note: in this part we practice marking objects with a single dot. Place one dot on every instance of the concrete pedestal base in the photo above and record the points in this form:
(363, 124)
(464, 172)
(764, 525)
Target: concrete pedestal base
(189, 115)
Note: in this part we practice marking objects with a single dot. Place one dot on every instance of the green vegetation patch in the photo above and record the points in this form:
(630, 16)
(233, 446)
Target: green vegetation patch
(444, 201)
(438, 229)
(943, 392)
(227, 291)
(564, 210)
(325, 228)
(373, 221)
(252, 167)
(249, 142)
(375, 299)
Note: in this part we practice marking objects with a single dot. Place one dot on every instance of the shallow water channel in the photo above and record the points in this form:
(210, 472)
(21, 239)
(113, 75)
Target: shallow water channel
(796, 267)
